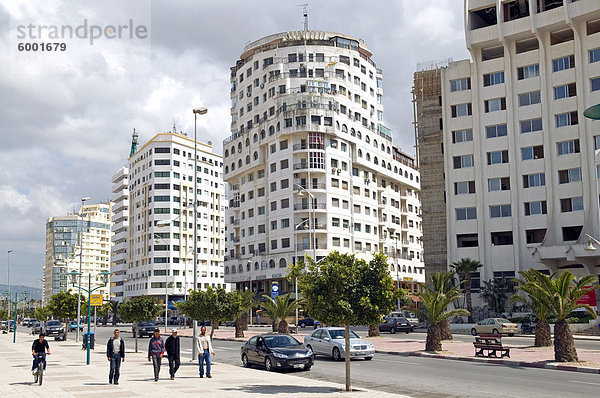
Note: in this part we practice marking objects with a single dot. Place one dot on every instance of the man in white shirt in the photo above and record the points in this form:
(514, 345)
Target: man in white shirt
(205, 350)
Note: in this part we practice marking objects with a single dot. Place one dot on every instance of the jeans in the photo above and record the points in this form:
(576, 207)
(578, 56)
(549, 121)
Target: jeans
(205, 357)
(115, 367)
(173, 365)
(36, 361)
(156, 364)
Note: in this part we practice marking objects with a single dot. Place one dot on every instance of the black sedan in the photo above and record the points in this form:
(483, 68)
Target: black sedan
(276, 351)
(393, 325)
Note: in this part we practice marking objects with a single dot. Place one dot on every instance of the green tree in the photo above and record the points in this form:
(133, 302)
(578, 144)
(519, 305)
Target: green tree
(42, 314)
(495, 293)
(63, 305)
(537, 301)
(562, 293)
(3, 314)
(242, 302)
(435, 298)
(445, 283)
(343, 290)
(215, 305)
(464, 268)
(139, 309)
(279, 309)
(114, 310)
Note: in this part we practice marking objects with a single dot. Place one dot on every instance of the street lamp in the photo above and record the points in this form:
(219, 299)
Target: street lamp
(8, 277)
(301, 191)
(83, 200)
(295, 261)
(197, 111)
(157, 240)
(74, 274)
(392, 232)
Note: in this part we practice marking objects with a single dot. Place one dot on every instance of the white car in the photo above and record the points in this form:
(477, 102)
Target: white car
(331, 342)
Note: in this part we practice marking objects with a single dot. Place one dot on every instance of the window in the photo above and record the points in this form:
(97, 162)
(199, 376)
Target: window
(462, 135)
(502, 238)
(569, 175)
(162, 162)
(563, 63)
(274, 244)
(566, 119)
(335, 242)
(464, 187)
(535, 235)
(534, 180)
(285, 223)
(260, 173)
(285, 243)
(535, 208)
(461, 110)
(571, 233)
(527, 72)
(460, 84)
(567, 147)
(499, 184)
(284, 164)
(529, 126)
(500, 211)
(492, 79)
(565, 91)
(283, 145)
(273, 225)
(492, 53)
(261, 210)
(532, 152)
(273, 186)
(571, 204)
(497, 157)
(466, 213)
(461, 162)
(495, 104)
(467, 240)
(530, 98)
(285, 183)
(261, 192)
(594, 55)
(498, 130)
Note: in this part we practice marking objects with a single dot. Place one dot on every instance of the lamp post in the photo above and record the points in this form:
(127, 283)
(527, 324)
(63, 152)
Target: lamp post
(24, 294)
(392, 232)
(74, 274)
(8, 277)
(300, 193)
(83, 200)
(296, 260)
(157, 240)
(197, 111)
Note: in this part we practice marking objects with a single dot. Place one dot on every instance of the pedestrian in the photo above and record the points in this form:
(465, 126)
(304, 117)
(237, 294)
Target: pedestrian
(115, 353)
(205, 351)
(156, 350)
(173, 352)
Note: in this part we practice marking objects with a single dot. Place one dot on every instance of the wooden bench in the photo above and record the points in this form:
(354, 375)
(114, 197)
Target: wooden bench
(492, 343)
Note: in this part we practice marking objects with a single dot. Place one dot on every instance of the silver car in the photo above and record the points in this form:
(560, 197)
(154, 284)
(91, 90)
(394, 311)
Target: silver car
(331, 342)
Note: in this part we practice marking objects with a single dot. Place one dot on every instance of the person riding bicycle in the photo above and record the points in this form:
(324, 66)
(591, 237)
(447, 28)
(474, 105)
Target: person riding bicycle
(39, 346)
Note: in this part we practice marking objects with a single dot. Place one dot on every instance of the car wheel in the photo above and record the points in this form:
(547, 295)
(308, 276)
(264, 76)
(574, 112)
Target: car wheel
(302, 325)
(368, 358)
(336, 354)
(473, 332)
(268, 364)
(245, 361)
(495, 331)
(307, 367)
(407, 331)
(133, 335)
(393, 330)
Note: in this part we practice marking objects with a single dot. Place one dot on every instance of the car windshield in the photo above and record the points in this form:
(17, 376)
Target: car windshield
(280, 341)
(53, 323)
(339, 334)
(503, 320)
(151, 323)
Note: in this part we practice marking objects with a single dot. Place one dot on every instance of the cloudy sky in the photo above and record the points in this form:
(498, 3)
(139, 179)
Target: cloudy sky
(66, 117)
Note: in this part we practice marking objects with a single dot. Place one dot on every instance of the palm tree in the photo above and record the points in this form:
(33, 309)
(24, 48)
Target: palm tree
(435, 301)
(445, 283)
(537, 301)
(464, 268)
(114, 309)
(241, 321)
(494, 292)
(278, 309)
(562, 293)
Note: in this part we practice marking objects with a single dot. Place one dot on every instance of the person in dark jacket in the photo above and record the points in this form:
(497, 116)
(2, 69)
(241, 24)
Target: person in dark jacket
(156, 350)
(173, 349)
(115, 353)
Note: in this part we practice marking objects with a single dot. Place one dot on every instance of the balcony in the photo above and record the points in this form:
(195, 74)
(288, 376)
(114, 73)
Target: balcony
(319, 185)
(306, 166)
(309, 246)
(306, 206)
(235, 239)
(236, 221)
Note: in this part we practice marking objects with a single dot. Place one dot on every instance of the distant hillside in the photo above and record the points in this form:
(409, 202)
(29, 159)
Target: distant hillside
(35, 293)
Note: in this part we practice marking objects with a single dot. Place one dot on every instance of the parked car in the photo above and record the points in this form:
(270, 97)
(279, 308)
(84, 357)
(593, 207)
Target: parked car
(73, 326)
(204, 323)
(276, 351)
(306, 322)
(229, 323)
(331, 342)
(495, 326)
(36, 328)
(4, 326)
(56, 329)
(392, 324)
(25, 322)
(410, 317)
(32, 321)
(144, 329)
(11, 326)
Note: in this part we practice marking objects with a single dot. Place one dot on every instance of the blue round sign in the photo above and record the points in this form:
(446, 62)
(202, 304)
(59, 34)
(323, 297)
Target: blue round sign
(275, 288)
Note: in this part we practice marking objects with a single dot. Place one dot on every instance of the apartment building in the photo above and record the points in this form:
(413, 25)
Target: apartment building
(90, 229)
(310, 166)
(521, 176)
(158, 185)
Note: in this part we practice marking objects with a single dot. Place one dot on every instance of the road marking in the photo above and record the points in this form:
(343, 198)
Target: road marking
(584, 382)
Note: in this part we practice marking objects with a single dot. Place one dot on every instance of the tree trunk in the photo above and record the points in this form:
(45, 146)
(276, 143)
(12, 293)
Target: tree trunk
(564, 346)
(374, 331)
(445, 332)
(468, 297)
(274, 325)
(283, 327)
(433, 342)
(212, 329)
(347, 356)
(542, 334)
(239, 328)
(244, 320)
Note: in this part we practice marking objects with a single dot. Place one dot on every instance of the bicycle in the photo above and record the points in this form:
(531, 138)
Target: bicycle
(38, 377)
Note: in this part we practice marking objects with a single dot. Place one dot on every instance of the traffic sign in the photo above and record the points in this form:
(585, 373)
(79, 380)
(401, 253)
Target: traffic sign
(274, 290)
(96, 299)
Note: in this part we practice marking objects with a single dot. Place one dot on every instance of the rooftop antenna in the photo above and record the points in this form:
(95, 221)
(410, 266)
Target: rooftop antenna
(174, 127)
(134, 142)
(304, 14)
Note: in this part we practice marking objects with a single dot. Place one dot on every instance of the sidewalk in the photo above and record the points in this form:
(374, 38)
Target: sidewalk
(68, 376)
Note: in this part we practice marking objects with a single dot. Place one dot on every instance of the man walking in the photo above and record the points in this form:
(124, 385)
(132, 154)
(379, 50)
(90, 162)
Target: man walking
(173, 350)
(205, 350)
(156, 349)
(115, 353)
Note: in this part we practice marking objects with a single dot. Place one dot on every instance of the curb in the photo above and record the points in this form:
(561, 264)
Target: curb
(505, 362)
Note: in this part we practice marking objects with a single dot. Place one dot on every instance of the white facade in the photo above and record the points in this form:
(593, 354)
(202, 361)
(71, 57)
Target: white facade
(89, 228)
(307, 112)
(521, 180)
(156, 185)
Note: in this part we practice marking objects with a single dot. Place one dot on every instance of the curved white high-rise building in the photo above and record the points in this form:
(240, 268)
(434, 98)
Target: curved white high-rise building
(310, 166)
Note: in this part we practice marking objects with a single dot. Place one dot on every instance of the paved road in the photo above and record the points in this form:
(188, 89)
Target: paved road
(423, 377)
